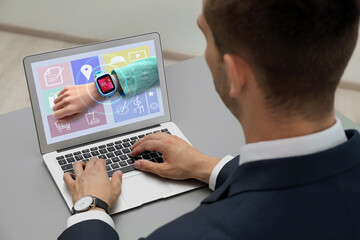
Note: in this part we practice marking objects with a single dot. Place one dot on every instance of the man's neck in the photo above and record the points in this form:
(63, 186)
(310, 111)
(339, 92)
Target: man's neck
(265, 128)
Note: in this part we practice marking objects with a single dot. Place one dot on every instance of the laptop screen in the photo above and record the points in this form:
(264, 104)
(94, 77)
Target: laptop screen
(50, 76)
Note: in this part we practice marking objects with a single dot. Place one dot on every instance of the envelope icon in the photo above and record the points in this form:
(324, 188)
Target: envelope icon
(53, 76)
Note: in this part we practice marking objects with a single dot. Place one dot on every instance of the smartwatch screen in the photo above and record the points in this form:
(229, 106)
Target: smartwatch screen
(106, 84)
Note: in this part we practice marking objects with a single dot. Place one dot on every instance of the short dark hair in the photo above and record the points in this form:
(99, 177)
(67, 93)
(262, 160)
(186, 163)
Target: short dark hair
(298, 49)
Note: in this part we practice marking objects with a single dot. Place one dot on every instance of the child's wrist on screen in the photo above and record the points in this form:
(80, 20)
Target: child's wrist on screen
(95, 93)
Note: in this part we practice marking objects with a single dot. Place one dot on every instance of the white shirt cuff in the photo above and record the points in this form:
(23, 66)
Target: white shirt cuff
(90, 215)
(216, 171)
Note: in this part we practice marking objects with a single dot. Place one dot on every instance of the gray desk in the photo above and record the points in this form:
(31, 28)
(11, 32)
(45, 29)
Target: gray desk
(32, 207)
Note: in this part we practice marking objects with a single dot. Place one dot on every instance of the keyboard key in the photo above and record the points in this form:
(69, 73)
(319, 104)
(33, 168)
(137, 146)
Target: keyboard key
(94, 148)
(60, 157)
(141, 136)
(102, 156)
(146, 152)
(123, 164)
(126, 140)
(102, 151)
(79, 157)
(77, 153)
(70, 171)
(85, 151)
(67, 167)
(164, 130)
(146, 156)
(85, 160)
(95, 153)
(115, 159)
(126, 150)
(108, 168)
(124, 170)
(115, 166)
(110, 144)
(102, 146)
(70, 160)
(110, 155)
(132, 142)
(62, 162)
(156, 131)
(148, 134)
(127, 144)
(123, 157)
(108, 161)
(68, 155)
(154, 155)
(118, 142)
(133, 138)
(111, 149)
(87, 155)
(159, 159)
(130, 161)
(152, 160)
(118, 147)
(117, 153)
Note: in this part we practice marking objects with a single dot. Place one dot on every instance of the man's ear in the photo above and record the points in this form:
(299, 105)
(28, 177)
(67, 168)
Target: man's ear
(237, 69)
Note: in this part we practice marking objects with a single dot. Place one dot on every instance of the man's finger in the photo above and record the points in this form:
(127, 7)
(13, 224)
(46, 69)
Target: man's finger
(148, 166)
(69, 181)
(148, 145)
(78, 168)
(91, 162)
(116, 181)
(153, 136)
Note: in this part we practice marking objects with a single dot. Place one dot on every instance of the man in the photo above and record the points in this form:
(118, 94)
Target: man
(276, 65)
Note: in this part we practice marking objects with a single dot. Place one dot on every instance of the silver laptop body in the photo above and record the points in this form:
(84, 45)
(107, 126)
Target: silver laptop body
(114, 120)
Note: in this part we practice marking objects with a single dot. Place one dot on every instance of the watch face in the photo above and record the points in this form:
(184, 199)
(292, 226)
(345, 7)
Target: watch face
(106, 84)
(83, 203)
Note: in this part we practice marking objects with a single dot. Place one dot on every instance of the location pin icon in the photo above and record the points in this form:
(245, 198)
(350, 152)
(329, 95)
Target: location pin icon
(86, 70)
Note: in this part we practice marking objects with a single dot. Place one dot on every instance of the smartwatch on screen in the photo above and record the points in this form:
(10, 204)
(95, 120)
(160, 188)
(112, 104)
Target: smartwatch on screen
(105, 84)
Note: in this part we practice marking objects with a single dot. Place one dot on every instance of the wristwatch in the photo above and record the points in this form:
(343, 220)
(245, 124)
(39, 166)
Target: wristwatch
(105, 84)
(88, 201)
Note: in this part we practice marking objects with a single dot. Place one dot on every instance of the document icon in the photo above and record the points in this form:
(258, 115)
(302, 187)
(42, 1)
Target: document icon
(53, 76)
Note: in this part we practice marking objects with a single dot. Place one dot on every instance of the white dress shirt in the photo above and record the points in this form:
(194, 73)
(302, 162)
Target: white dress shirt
(288, 147)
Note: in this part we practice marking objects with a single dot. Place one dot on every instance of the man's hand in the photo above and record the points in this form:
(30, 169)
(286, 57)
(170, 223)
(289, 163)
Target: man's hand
(73, 101)
(181, 160)
(92, 179)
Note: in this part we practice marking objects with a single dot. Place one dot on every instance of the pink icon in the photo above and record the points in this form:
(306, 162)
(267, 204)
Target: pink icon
(55, 76)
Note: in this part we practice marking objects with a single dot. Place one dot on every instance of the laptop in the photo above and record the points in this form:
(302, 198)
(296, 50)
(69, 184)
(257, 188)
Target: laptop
(109, 128)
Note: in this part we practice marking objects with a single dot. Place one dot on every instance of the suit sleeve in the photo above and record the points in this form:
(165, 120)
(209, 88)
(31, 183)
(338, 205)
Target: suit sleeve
(90, 230)
(226, 170)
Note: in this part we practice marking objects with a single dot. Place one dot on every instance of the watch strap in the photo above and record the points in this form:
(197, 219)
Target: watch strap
(101, 204)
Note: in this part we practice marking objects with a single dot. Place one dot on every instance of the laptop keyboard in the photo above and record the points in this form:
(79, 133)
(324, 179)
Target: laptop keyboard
(116, 154)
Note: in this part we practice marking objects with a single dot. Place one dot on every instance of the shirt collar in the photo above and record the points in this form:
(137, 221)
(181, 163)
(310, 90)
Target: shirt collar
(297, 146)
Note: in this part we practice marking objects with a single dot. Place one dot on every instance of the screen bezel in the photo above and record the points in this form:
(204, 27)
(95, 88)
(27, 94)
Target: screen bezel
(44, 146)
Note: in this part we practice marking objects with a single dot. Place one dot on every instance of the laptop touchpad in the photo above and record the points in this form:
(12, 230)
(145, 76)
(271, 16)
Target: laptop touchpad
(142, 188)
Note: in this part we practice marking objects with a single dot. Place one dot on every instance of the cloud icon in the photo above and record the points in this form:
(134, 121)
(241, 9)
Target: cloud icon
(117, 59)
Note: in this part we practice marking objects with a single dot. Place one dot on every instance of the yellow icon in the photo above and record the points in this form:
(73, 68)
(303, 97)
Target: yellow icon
(124, 58)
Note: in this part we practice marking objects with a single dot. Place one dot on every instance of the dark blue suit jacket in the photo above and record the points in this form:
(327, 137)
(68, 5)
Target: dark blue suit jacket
(316, 196)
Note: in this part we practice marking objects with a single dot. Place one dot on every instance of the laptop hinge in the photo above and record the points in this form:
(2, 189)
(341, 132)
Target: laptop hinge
(103, 139)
